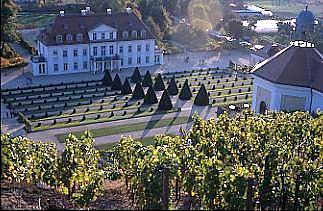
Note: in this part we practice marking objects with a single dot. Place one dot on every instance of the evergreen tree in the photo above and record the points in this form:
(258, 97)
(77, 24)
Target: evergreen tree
(159, 83)
(185, 93)
(147, 80)
(107, 79)
(116, 84)
(202, 98)
(126, 88)
(165, 102)
(136, 77)
(150, 97)
(172, 87)
(9, 12)
(138, 93)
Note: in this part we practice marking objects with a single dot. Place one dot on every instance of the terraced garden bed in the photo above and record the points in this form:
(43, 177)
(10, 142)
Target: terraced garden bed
(87, 102)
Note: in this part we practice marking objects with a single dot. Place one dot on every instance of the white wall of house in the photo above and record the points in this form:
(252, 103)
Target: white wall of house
(142, 54)
(276, 100)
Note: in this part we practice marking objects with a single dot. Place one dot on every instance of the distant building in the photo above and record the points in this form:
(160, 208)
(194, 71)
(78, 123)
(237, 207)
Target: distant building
(290, 80)
(89, 42)
(305, 22)
(252, 10)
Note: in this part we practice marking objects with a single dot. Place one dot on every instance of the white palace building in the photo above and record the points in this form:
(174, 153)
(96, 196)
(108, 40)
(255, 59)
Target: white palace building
(89, 42)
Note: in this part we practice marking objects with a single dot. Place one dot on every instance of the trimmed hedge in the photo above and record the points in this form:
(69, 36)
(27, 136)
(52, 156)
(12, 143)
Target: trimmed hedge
(116, 84)
(107, 79)
(150, 97)
(138, 93)
(126, 88)
(172, 87)
(202, 97)
(165, 102)
(136, 77)
(185, 93)
(159, 83)
(147, 82)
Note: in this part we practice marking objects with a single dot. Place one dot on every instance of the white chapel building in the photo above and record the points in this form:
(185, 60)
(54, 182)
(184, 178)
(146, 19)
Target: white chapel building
(290, 80)
(89, 42)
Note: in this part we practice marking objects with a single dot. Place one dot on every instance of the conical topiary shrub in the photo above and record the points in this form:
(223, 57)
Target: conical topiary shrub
(138, 93)
(147, 80)
(159, 83)
(107, 79)
(150, 97)
(116, 84)
(165, 102)
(136, 77)
(126, 88)
(172, 87)
(185, 93)
(202, 98)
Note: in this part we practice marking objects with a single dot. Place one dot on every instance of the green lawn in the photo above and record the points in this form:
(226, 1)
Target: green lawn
(130, 127)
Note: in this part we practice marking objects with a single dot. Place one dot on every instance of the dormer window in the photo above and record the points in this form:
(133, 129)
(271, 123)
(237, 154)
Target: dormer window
(102, 36)
(143, 34)
(59, 38)
(69, 37)
(134, 34)
(125, 35)
(94, 36)
(79, 37)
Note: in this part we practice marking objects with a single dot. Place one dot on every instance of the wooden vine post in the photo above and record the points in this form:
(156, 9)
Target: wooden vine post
(165, 195)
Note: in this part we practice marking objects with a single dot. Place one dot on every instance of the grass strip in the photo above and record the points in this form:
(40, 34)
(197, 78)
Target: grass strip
(107, 131)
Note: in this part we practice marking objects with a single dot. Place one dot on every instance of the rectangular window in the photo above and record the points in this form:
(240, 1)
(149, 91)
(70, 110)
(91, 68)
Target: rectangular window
(75, 65)
(85, 65)
(84, 52)
(102, 50)
(139, 48)
(129, 60)
(64, 53)
(111, 49)
(102, 36)
(121, 49)
(111, 35)
(65, 67)
(138, 60)
(129, 49)
(75, 52)
(95, 51)
(55, 53)
(121, 61)
(55, 67)
(147, 47)
(94, 36)
(147, 59)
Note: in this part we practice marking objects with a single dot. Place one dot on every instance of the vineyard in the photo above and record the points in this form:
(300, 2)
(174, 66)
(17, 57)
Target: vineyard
(251, 161)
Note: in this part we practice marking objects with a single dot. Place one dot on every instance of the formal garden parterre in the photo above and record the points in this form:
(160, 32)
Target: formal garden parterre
(51, 106)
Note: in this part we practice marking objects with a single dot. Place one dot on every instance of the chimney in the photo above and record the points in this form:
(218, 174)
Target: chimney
(83, 12)
(109, 11)
(61, 13)
(128, 10)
